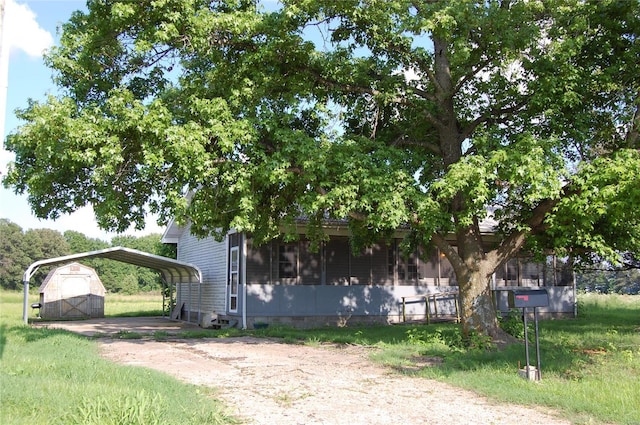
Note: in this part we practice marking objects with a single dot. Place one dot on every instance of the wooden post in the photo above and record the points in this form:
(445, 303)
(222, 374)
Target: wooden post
(404, 316)
(428, 309)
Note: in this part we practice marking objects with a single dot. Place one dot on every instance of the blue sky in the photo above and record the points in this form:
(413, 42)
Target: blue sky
(29, 27)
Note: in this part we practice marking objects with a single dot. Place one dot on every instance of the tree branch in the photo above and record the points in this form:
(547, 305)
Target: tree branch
(633, 135)
(402, 141)
(448, 250)
(370, 91)
(495, 115)
(471, 74)
(515, 240)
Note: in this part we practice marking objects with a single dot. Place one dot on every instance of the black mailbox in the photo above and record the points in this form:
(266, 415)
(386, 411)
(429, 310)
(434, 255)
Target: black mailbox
(521, 298)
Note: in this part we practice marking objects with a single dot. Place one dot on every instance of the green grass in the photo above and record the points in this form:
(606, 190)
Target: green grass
(590, 366)
(57, 377)
(149, 304)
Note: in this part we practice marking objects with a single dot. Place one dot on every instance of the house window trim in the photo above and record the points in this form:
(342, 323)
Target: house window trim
(231, 295)
(295, 264)
(397, 263)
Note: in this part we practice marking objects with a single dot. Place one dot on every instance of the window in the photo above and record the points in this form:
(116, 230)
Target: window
(288, 261)
(234, 278)
(404, 269)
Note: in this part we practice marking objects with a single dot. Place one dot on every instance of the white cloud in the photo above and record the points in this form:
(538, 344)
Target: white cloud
(22, 32)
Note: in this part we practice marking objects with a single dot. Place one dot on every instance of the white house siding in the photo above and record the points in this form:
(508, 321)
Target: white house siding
(210, 256)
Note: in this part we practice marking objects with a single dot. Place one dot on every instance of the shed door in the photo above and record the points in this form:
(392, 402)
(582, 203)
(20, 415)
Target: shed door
(234, 278)
(75, 292)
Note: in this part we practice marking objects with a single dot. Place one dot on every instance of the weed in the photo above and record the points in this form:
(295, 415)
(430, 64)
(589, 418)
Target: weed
(127, 335)
(139, 409)
(160, 335)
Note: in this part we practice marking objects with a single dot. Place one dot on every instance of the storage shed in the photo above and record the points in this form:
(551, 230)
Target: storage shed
(72, 291)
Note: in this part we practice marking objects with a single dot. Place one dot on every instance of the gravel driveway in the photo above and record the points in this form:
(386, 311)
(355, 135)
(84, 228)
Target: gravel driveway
(267, 382)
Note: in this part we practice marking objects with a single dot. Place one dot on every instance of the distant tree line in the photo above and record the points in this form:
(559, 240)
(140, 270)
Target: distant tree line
(606, 281)
(20, 248)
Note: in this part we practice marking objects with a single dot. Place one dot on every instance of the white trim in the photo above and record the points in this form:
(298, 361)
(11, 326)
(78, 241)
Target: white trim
(243, 274)
(232, 250)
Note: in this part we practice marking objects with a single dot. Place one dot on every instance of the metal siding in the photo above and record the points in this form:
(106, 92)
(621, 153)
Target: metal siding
(328, 300)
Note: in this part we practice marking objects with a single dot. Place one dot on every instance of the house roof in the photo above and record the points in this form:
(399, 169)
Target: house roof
(332, 226)
(172, 232)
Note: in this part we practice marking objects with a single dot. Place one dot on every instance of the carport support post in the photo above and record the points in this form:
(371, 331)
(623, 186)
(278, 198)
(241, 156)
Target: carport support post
(25, 305)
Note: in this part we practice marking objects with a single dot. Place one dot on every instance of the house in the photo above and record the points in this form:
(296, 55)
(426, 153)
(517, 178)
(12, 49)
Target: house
(72, 291)
(290, 283)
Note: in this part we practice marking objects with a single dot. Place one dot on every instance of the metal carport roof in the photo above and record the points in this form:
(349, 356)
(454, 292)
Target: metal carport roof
(172, 271)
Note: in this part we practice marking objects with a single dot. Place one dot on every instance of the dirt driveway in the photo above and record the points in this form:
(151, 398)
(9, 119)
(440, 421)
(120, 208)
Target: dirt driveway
(267, 382)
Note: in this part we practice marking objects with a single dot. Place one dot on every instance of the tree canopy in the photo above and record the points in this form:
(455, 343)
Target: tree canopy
(19, 249)
(432, 115)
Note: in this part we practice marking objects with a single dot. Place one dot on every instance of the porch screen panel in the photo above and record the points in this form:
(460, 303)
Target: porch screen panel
(360, 267)
(258, 264)
(309, 264)
(428, 267)
(284, 262)
(379, 268)
(447, 275)
(531, 272)
(511, 272)
(337, 261)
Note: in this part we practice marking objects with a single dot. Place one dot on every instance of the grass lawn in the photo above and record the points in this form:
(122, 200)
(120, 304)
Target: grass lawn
(57, 377)
(590, 367)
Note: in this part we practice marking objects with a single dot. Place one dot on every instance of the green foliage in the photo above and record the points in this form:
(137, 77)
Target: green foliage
(140, 409)
(513, 324)
(20, 249)
(423, 115)
(609, 281)
(13, 255)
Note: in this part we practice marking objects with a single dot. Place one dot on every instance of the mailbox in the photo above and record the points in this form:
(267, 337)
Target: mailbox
(521, 298)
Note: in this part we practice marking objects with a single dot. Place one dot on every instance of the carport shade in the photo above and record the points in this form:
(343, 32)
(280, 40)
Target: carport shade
(172, 271)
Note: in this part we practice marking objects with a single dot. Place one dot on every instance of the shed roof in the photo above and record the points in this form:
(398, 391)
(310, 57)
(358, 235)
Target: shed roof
(57, 270)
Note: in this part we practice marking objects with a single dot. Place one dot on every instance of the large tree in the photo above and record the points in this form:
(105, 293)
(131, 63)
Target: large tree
(19, 249)
(14, 258)
(433, 115)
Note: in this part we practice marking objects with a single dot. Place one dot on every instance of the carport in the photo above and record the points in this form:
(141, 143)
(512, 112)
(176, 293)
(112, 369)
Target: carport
(173, 272)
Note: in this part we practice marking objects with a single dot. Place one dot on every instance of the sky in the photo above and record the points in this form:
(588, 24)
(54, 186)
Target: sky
(29, 28)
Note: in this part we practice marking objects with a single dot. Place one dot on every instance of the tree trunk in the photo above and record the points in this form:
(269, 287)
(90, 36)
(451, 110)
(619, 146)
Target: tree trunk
(474, 269)
(477, 310)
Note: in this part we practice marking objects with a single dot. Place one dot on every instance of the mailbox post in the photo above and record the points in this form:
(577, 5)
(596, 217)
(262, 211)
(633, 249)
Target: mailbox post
(524, 298)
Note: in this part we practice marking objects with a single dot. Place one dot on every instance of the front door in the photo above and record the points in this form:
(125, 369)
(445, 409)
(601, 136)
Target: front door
(234, 278)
